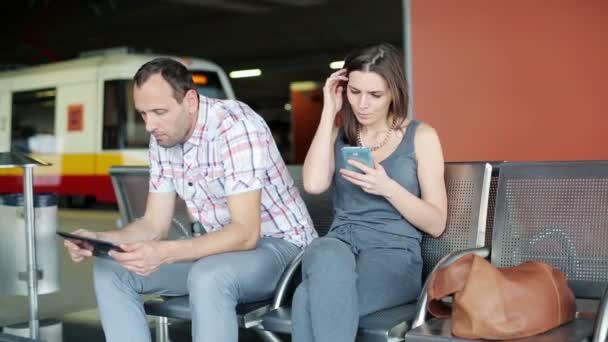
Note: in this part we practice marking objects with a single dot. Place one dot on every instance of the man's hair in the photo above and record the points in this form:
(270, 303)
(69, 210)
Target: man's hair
(172, 71)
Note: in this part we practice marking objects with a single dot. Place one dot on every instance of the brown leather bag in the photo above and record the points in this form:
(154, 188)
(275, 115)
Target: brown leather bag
(501, 303)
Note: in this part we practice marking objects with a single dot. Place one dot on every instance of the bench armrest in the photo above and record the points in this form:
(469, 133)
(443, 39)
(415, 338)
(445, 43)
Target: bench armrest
(447, 260)
(286, 277)
(601, 322)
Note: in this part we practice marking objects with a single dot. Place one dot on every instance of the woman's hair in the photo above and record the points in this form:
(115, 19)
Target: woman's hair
(386, 61)
(172, 71)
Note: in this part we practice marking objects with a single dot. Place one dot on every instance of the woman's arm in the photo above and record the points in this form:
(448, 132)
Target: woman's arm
(428, 213)
(319, 164)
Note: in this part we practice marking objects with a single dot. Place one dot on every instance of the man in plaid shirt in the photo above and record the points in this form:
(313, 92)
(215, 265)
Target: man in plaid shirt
(220, 157)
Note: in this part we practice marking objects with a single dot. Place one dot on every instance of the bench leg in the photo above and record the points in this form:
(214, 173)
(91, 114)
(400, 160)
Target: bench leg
(162, 329)
(267, 336)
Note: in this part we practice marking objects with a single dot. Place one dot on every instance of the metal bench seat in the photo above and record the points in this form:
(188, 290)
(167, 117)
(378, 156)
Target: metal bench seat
(248, 314)
(377, 326)
(468, 189)
(439, 330)
(553, 212)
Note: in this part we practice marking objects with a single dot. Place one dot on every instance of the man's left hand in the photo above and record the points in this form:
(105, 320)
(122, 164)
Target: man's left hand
(373, 181)
(142, 258)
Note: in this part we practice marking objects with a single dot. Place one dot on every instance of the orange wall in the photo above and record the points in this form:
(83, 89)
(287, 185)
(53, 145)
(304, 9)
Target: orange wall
(513, 79)
(306, 107)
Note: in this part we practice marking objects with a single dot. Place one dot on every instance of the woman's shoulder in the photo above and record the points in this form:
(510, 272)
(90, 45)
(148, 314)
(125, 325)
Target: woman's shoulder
(423, 130)
(420, 128)
(426, 140)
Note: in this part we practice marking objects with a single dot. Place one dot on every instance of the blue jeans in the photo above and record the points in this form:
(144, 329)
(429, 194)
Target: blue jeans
(216, 284)
(349, 273)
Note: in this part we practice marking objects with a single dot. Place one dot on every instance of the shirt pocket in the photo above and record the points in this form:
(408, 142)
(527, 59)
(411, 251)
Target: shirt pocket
(210, 180)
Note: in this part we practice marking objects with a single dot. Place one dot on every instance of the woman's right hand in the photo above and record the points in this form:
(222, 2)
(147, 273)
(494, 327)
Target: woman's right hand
(333, 92)
(80, 251)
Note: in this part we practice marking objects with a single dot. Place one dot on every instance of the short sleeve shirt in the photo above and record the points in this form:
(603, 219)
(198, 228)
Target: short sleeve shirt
(231, 151)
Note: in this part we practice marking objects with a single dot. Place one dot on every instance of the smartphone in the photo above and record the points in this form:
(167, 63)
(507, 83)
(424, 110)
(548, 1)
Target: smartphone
(100, 248)
(358, 153)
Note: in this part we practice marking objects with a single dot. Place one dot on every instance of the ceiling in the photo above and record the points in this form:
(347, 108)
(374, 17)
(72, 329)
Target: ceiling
(290, 40)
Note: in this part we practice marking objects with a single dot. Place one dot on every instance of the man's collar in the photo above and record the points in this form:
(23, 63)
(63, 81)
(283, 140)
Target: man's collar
(199, 129)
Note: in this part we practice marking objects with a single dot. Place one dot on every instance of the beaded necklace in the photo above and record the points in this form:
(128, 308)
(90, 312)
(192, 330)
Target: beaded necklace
(386, 137)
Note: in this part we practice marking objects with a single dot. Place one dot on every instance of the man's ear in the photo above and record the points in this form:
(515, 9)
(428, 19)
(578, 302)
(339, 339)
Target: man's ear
(191, 99)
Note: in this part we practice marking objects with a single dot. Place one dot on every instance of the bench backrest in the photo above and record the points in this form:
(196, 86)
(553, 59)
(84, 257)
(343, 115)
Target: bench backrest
(320, 207)
(468, 190)
(556, 212)
(131, 188)
(468, 194)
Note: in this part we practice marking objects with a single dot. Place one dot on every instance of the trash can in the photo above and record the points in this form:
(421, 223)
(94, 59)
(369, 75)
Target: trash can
(13, 249)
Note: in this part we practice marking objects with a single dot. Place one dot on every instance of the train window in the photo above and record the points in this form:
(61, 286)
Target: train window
(33, 121)
(122, 126)
(208, 84)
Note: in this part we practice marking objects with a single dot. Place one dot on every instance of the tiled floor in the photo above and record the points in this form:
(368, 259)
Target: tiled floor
(74, 304)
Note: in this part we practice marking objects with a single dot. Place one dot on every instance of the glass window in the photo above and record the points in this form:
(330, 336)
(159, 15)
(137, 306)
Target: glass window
(208, 84)
(33, 121)
(123, 127)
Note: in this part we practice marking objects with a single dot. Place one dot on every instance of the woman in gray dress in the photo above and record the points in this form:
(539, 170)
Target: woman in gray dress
(370, 259)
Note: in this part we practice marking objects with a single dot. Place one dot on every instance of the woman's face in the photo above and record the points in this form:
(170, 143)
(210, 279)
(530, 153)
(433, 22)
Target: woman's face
(369, 96)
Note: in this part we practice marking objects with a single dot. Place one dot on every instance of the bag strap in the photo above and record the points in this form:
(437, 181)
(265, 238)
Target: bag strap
(447, 281)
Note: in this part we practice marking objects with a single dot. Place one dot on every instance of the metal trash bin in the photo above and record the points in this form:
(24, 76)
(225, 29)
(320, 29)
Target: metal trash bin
(13, 250)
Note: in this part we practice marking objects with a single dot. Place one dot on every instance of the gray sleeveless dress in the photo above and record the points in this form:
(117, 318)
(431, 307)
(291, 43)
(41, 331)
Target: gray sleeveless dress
(354, 206)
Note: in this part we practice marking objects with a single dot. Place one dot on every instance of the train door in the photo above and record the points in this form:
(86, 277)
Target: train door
(76, 114)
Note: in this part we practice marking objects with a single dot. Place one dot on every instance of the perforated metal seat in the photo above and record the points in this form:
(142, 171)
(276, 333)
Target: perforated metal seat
(131, 189)
(468, 189)
(556, 212)
(320, 207)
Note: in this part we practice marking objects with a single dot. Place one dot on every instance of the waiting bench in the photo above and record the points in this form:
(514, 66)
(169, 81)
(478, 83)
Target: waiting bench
(468, 189)
(556, 212)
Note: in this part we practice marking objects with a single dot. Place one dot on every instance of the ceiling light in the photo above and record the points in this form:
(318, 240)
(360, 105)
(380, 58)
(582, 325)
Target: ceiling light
(336, 64)
(245, 73)
(304, 86)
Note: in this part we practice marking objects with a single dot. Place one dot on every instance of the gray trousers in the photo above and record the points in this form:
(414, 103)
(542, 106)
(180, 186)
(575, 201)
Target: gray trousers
(351, 272)
(216, 284)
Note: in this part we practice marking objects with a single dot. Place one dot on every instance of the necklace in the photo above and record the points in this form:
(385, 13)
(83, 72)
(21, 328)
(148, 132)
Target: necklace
(386, 137)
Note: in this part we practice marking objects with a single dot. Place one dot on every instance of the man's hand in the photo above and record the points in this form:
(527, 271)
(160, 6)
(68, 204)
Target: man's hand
(142, 258)
(79, 250)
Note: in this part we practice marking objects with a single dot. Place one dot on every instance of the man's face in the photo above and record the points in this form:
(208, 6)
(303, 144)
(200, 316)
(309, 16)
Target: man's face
(169, 121)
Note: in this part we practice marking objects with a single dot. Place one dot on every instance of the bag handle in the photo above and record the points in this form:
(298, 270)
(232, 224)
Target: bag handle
(446, 281)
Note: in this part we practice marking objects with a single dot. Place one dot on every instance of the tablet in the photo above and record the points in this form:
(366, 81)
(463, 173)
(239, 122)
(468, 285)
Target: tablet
(100, 248)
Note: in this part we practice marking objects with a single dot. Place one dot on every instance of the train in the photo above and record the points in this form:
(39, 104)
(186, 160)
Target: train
(79, 115)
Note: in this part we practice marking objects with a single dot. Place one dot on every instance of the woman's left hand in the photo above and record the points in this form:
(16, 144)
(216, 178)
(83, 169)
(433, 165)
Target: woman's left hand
(373, 181)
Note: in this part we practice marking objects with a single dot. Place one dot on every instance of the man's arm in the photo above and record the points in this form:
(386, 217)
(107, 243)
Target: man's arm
(241, 234)
(154, 225)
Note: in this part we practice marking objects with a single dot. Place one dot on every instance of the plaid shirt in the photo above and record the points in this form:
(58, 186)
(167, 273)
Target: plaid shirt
(231, 151)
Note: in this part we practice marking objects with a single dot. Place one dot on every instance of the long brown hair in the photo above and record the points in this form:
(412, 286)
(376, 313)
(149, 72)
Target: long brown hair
(386, 61)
